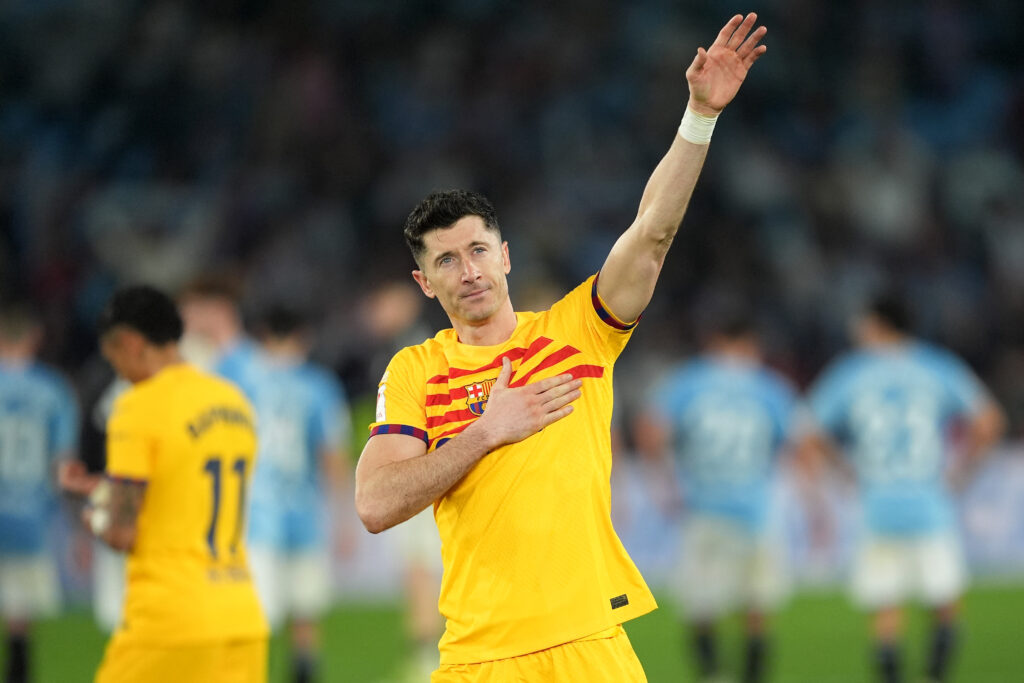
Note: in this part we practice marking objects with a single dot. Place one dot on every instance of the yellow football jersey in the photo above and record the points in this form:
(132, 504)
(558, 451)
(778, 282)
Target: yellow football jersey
(530, 556)
(190, 437)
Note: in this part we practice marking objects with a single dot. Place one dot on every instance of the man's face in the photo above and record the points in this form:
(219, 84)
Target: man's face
(123, 348)
(865, 329)
(211, 318)
(465, 267)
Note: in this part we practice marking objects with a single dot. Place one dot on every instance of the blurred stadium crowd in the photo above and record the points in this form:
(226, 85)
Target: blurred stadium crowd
(282, 143)
(286, 141)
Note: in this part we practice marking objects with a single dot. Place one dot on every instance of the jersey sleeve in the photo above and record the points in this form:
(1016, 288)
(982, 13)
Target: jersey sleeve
(966, 394)
(827, 399)
(401, 398)
(130, 442)
(584, 305)
(784, 407)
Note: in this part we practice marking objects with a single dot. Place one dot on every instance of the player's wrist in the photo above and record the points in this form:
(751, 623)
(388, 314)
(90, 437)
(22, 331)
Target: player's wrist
(702, 108)
(481, 432)
(698, 123)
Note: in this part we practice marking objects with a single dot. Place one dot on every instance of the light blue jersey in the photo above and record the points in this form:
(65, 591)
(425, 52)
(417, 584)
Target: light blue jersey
(891, 410)
(729, 420)
(300, 410)
(237, 363)
(38, 422)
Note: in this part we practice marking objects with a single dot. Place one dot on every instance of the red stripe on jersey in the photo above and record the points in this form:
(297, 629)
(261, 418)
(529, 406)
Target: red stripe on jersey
(535, 348)
(585, 371)
(443, 399)
(511, 354)
(515, 354)
(556, 357)
(450, 416)
(468, 417)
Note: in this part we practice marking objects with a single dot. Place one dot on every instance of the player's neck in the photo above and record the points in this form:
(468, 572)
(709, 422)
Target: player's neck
(15, 359)
(289, 350)
(497, 329)
(17, 353)
(159, 358)
(740, 352)
(885, 340)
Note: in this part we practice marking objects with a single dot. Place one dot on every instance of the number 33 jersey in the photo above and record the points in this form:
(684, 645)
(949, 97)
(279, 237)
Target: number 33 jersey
(892, 410)
(189, 437)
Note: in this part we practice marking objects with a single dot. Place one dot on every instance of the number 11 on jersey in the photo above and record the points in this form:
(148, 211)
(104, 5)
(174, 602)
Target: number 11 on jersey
(214, 467)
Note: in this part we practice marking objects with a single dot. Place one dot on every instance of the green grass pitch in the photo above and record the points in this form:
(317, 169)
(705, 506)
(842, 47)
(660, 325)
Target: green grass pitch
(818, 639)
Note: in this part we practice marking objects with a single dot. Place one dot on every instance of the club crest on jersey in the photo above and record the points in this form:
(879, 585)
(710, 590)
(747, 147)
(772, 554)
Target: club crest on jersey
(477, 394)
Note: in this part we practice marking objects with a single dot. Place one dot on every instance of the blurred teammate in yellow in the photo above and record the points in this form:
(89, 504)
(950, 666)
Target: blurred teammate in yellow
(180, 450)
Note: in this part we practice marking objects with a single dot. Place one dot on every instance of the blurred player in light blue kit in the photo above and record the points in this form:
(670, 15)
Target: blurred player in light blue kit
(726, 418)
(302, 469)
(890, 407)
(215, 338)
(38, 428)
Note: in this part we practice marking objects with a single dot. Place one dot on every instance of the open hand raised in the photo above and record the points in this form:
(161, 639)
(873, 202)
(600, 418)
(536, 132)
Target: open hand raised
(715, 75)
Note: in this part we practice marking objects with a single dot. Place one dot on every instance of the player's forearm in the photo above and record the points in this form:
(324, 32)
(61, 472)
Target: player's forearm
(113, 511)
(399, 490)
(115, 533)
(985, 431)
(668, 193)
(631, 271)
(337, 472)
(121, 539)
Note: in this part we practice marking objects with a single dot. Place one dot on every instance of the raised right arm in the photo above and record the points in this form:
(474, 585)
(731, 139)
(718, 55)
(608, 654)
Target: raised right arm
(396, 477)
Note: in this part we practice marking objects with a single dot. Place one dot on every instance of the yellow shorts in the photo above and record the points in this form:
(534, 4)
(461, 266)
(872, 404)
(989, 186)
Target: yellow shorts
(605, 657)
(239, 661)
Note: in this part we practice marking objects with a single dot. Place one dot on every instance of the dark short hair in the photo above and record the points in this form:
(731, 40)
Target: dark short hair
(17, 319)
(727, 316)
(280, 320)
(892, 310)
(212, 286)
(440, 210)
(144, 309)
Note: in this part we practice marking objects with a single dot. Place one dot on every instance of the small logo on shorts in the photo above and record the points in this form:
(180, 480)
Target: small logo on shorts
(619, 601)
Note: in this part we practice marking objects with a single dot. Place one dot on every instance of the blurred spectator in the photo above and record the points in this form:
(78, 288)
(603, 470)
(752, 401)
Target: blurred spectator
(157, 140)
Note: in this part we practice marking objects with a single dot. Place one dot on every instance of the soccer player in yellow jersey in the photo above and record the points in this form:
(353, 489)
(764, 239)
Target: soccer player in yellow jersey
(502, 423)
(180, 451)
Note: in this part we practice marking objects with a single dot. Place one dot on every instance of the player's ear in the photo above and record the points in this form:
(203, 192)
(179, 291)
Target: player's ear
(506, 262)
(421, 280)
(134, 342)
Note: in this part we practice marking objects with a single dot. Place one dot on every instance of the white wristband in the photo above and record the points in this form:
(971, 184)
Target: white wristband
(697, 128)
(99, 521)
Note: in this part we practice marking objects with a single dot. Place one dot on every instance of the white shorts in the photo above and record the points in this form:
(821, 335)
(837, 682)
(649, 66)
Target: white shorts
(725, 567)
(294, 585)
(29, 587)
(108, 569)
(889, 571)
(418, 541)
